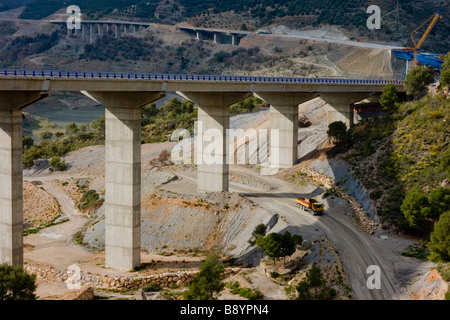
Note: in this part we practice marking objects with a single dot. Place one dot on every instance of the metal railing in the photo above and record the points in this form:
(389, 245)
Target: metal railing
(186, 77)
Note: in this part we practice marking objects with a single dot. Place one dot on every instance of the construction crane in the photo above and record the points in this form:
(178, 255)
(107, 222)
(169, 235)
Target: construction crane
(434, 18)
(414, 54)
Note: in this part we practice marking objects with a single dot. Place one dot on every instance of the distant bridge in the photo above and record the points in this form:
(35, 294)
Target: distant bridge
(94, 28)
(97, 28)
(225, 36)
(123, 94)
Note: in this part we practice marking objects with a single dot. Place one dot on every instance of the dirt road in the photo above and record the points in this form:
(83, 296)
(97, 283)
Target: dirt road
(357, 249)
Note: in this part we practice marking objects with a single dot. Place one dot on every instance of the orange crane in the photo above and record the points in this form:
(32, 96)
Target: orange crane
(434, 18)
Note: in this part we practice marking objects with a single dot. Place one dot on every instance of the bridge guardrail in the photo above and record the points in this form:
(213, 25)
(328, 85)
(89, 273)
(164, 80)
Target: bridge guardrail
(186, 77)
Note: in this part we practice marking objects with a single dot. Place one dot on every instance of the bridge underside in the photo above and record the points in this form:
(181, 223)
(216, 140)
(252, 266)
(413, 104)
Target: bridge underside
(123, 152)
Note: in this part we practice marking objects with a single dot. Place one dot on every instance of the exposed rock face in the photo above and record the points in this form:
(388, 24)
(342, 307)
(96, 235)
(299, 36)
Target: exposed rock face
(430, 286)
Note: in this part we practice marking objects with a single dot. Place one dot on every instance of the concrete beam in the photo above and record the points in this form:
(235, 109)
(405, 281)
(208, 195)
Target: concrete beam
(284, 118)
(341, 105)
(213, 123)
(123, 175)
(11, 177)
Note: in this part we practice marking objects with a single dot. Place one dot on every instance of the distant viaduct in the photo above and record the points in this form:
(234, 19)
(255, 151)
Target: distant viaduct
(93, 29)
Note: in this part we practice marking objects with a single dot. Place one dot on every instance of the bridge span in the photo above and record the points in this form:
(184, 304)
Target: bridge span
(123, 94)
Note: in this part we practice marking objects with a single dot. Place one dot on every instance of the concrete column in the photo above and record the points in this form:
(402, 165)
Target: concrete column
(341, 105)
(69, 31)
(134, 28)
(11, 177)
(117, 30)
(83, 29)
(215, 37)
(233, 40)
(212, 147)
(198, 35)
(123, 175)
(107, 28)
(100, 30)
(284, 118)
(91, 33)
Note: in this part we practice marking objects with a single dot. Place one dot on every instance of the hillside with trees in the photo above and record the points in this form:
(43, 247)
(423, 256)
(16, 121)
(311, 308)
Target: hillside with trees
(349, 14)
(403, 159)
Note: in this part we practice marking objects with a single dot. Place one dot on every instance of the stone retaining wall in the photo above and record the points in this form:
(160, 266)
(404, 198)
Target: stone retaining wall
(88, 279)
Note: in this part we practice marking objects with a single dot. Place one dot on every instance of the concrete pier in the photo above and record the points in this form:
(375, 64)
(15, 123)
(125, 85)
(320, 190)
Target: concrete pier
(341, 105)
(91, 33)
(212, 147)
(123, 175)
(284, 118)
(11, 177)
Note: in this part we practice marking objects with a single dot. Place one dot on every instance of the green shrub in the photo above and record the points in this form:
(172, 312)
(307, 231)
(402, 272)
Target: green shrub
(440, 240)
(89, 199)
(376, 194)
(208, 283)
(245, 292)
(274, 274)
(16, 283)
(153, 286)
(388, 98)
(58, 164)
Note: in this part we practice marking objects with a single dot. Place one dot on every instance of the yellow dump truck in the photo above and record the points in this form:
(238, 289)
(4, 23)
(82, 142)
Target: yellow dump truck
(310, 204)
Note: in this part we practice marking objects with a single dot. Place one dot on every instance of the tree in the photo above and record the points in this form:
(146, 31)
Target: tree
(148, 112)
(445, 77)
(30, 155)
(446, 63)
(16, 283)
(208, 282)
(271, 244)
(439, 200)
(313, 280)
(415, 208)
(72, 129)
(98, 126)
(278, 245)
(439, 244)
(59, 134)
(58, 164)
(388, 97)
(260, 231)
(46, 135)
(27, 142)
(337, 130)
(417, 80)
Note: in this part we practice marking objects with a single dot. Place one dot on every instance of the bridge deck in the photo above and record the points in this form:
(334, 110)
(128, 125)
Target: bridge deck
(30, 80)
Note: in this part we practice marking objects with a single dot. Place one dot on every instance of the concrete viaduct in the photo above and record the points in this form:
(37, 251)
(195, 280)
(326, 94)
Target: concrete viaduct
(93, 29)
(232, 37)
(123, 94)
